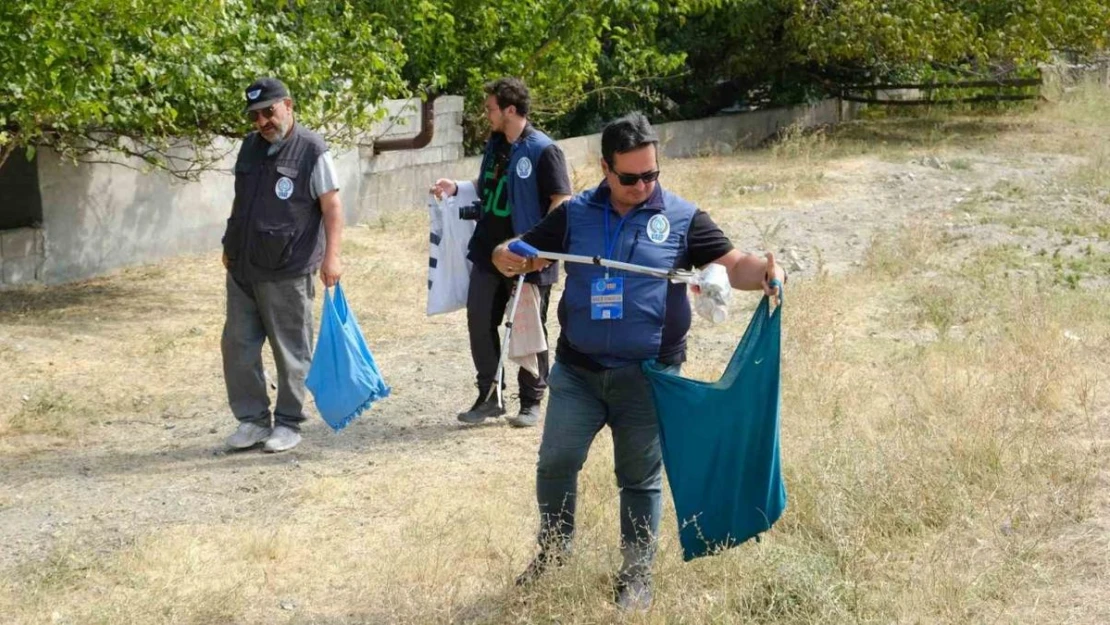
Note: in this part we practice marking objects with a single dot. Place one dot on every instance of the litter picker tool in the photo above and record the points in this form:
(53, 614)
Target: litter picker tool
(520, 248)
(497, 378)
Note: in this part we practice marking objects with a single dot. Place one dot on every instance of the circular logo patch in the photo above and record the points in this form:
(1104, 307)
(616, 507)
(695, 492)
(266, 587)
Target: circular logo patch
(284, 188)
(658, 229)
(523, 168)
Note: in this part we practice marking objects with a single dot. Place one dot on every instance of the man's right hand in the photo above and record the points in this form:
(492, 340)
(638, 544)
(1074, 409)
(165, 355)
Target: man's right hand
(444, 187)
(227, 263)
(509, 264)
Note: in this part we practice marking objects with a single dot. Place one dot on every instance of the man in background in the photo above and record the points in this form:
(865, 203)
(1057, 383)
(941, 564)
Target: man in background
(523, 175)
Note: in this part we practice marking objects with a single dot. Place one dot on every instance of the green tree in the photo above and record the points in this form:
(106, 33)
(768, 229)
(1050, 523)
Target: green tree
(567, 51)
(137, 76)
(143, 78)
(768, 51)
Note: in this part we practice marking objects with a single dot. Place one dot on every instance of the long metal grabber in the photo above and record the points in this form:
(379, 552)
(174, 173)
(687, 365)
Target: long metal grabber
(520, 248)
(498, 378)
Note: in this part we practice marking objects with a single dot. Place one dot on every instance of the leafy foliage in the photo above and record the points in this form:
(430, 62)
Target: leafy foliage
(136, 76)
(772, 51)
(563, 49)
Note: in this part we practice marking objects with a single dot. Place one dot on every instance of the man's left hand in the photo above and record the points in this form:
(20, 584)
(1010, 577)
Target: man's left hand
(773, 272)
(330, 271)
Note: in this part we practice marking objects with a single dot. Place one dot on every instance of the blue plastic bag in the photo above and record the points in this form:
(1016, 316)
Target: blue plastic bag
(343, 377)
(721, 442)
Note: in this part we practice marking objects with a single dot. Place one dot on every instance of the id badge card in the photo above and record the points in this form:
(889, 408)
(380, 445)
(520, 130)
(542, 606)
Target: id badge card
(607, 298)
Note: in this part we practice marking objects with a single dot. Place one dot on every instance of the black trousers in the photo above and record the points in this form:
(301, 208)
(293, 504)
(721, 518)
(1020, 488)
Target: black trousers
(486, 300)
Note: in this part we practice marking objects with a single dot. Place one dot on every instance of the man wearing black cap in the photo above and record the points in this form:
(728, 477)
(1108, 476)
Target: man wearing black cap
(286, 222)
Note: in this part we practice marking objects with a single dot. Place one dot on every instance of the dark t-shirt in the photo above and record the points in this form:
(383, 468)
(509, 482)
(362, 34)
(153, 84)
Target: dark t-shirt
(496, 224)
(705, 243)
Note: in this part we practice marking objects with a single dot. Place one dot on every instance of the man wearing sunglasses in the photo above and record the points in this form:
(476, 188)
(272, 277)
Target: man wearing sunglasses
(523, 175)
(612, 322)
(286, 223)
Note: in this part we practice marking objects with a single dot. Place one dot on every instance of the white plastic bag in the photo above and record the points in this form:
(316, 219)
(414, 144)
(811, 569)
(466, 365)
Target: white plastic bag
(713, 294)
(448, 268)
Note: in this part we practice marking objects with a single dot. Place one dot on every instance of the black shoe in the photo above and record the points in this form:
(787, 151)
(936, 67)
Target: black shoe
(484, 407)
(633, 594)
(539, 565)
(528, 416)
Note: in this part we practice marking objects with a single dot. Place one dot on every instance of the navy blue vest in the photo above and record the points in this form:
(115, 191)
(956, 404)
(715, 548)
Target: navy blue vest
(524, 191)
(274, 231)
(652, 234)
(525, 205)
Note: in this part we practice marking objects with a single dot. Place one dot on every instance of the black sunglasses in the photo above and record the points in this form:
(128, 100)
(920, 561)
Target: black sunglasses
(267, 112)
(630, 179)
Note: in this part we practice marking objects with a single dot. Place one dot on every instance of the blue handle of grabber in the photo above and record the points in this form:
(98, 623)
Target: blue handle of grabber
(520, 248)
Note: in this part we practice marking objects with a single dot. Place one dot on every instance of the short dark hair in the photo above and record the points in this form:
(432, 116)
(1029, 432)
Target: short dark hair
(510, 91)
(625, 134)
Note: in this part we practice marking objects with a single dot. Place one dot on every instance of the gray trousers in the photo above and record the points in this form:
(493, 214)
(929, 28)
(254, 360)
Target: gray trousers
(280, 311)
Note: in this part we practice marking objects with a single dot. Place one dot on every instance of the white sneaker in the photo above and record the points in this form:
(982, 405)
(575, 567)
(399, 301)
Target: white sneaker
(248, 435)
(283, 439)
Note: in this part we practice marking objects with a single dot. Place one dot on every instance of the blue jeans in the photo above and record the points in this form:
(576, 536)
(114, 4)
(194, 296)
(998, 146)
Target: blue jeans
(581, 403)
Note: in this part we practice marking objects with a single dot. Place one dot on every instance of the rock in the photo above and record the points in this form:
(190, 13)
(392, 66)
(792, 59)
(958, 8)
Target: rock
(288, 604)
(794, 260)
(934, 162)
(756, 188)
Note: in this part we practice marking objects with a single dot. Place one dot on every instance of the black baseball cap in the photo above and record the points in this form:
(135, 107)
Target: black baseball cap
(264, 92)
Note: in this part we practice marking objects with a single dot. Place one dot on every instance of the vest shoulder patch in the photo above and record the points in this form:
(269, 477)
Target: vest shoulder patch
(284, 188)
(523, 168)
(658, 229)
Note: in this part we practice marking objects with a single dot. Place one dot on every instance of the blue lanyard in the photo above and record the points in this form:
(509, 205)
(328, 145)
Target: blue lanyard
(611, 243)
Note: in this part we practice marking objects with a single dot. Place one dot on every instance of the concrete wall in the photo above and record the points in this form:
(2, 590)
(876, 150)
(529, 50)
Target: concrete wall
(22, 251)
(400, 180)
(387, 189)
(97, 217)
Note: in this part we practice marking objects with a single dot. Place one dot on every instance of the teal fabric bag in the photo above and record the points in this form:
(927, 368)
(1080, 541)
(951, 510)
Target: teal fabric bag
(343, 378)
(721, 442)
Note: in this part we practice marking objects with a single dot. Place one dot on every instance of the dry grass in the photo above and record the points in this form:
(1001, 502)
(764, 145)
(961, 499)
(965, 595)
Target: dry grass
(943, 428)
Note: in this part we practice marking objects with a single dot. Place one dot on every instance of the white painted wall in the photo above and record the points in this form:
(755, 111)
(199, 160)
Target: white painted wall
(98, 217)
